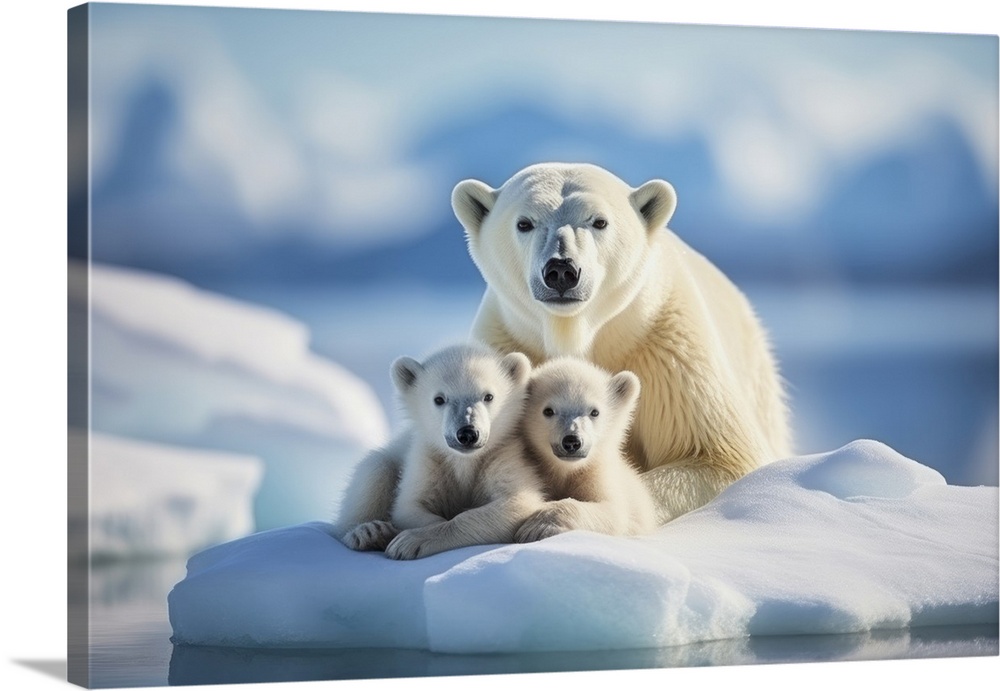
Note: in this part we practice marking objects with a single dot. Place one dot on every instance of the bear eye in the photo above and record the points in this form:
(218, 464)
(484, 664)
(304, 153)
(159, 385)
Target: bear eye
(439, 400)
(524, 225)
(548, 412)
(488, 397)
(600, 223)
(595, 412)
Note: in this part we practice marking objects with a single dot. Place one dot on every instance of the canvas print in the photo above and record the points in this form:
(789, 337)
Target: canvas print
(415, 346)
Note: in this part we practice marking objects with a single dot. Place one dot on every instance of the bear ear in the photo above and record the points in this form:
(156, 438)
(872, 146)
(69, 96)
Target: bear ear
(655, 202)
(624, 390)
(404, 373)
(472, 201)
(517, 366)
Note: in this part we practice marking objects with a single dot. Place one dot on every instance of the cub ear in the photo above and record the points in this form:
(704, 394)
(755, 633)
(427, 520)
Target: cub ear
(472, 201)
(517, 366)
(624, 390)
(655, 202)
(404, 372)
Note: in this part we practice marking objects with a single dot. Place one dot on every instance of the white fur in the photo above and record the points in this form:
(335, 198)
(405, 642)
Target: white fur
(712, 407)
(575, 424)
(429, 491)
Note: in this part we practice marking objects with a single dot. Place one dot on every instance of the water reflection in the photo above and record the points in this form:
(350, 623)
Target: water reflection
(204, 665)
(130, 645)
(129, 632)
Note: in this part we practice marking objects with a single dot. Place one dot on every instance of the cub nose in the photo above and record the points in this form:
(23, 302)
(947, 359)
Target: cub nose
(561, 275)
(571, 443)
(467, 436)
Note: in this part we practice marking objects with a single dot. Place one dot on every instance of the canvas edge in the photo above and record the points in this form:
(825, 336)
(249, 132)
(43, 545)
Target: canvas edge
(78, 351)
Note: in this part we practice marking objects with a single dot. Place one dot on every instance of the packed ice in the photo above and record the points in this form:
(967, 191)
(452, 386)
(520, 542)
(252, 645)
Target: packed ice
(852, 540)
(155, 500)
(173, 364)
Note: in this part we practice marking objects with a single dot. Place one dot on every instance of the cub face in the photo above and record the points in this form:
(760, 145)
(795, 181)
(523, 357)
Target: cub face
(462, 397)
(562, 236)
(575, 410)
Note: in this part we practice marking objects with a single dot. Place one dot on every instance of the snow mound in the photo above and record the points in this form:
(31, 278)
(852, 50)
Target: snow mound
(176, 365)
(847, 541)
(156, 500)
(257, 362)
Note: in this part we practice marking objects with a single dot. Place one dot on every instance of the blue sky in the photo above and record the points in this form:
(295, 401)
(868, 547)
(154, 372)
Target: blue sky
(309, 120)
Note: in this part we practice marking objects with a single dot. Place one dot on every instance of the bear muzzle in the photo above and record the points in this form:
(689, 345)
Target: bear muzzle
(467, 438)
(560, 283)
(561, 275)
(571, 448)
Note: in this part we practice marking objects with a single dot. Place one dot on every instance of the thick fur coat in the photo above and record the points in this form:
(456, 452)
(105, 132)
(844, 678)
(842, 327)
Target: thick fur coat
(575, 425)
(458, 475)
(579, 263)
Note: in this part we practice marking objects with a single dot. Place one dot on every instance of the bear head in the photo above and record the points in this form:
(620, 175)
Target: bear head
(462, 397)
(577, 411)
(563, 238)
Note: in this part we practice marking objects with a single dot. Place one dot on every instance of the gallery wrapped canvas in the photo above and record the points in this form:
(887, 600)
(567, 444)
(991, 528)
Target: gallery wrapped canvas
(788, 236)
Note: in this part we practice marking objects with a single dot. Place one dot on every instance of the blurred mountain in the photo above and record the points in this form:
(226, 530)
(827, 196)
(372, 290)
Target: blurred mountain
(919, 213)
(924, 213)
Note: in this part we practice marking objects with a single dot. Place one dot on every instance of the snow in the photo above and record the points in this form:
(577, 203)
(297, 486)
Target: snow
(172, 364)
(263, 355)
(852, 540)
(159, 500)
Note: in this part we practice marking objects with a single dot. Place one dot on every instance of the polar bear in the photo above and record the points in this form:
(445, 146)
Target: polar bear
(578, 263)
(575, 424)
(464, 478)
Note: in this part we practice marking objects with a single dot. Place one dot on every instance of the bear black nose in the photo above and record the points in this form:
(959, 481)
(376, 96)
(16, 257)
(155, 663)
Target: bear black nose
(467, 436)
(571, 443)
(561, 275)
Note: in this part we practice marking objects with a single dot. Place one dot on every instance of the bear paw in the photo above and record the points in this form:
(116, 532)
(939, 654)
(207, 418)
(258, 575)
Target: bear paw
(409, 544)
(552, 520)
(373, 535)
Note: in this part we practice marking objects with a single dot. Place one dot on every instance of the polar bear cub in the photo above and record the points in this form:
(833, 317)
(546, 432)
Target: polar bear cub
(575, 424)
(464, 478)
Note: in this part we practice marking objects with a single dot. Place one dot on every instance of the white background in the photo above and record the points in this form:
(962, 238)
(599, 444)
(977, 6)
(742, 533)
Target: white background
(33, 383)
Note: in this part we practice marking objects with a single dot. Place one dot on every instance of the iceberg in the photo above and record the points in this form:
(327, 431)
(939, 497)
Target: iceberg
(158, 500)
(854, 540)
(172, 364)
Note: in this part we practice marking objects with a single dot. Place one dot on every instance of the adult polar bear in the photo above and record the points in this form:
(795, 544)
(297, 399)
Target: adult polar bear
(578, 263)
